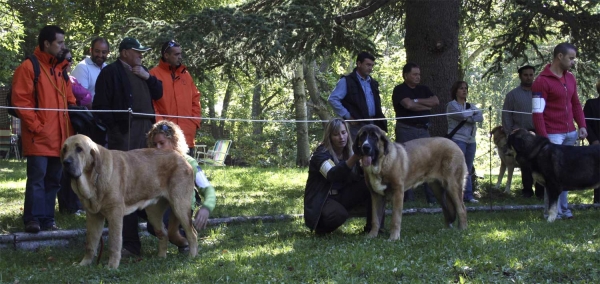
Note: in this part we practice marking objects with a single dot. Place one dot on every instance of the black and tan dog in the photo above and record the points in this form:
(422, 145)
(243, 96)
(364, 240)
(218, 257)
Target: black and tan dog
(391, 168)
(556, 167)
(112, 184)
(507, 160)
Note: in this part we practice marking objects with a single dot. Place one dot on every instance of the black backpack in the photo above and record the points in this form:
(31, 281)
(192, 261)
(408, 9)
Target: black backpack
(36, 76)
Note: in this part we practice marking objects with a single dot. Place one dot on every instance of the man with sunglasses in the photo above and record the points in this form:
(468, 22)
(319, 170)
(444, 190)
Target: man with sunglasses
(180, 95)
(126, 85)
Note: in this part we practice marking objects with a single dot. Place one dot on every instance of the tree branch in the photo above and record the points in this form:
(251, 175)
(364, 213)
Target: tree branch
(360, 13)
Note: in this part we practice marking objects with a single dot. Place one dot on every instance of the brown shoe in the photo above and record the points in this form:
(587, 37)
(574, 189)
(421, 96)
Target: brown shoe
(32, 227)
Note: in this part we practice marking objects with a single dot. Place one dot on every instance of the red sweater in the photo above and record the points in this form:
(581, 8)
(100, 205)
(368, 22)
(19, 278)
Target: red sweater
(556, 105)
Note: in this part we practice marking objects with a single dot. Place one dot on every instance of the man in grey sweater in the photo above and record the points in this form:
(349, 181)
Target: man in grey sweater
(516, 113)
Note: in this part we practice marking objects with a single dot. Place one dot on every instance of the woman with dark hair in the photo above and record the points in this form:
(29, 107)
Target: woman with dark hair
(462, 118)
(333, 187)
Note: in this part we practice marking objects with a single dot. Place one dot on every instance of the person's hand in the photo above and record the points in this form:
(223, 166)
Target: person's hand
(201, 218)
(352, 122)
(467, 113)
(582, 133)
(140, 72)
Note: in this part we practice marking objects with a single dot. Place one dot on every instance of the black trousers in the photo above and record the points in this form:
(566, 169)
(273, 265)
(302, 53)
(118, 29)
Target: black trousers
(68, 202)
(335, 212)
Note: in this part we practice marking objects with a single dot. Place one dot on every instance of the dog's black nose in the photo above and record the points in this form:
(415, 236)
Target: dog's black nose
(66, 162)
(366, 149)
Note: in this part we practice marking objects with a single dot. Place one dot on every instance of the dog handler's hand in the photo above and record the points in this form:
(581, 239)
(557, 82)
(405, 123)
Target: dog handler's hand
(201, 218)
(582, 133)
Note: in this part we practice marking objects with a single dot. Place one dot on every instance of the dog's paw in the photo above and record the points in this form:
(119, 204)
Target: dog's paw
(86, 262)
(372, 234)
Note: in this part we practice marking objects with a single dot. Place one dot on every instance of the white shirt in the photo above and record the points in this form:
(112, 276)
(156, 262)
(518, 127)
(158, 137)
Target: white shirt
(86, 72)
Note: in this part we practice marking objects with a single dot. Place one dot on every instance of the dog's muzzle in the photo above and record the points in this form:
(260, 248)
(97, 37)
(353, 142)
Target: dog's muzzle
(70, 168)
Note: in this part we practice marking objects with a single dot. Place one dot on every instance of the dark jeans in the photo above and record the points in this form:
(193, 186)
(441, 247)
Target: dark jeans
(43, 182)
(405, 133)
(68, 202)
(335, 211)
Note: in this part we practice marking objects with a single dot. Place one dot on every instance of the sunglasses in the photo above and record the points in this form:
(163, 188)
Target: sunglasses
(170, 44)
(164, 127)
(69, 59)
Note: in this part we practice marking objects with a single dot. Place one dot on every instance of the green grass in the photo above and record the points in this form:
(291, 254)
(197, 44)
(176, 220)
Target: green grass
(503, 247)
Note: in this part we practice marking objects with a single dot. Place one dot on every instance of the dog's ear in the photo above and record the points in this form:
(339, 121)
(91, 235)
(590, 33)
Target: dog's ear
(96, 159)
(386, 143)
(355, 148)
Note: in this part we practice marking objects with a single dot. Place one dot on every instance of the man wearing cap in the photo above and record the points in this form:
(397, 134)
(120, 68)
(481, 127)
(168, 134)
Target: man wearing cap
(122, 85)
(180, 95)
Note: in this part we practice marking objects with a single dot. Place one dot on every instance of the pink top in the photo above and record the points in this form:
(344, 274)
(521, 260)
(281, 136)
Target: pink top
(82, 95)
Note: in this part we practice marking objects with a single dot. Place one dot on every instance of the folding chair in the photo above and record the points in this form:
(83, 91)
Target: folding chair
(217, 155)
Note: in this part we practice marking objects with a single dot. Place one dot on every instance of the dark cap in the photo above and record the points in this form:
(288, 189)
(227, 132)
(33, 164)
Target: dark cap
(132, 43)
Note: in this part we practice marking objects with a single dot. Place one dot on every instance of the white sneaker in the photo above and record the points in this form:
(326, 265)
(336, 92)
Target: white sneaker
(473, 200)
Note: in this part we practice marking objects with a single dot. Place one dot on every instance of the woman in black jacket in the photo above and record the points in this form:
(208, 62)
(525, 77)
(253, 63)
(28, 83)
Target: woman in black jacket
(333, 188)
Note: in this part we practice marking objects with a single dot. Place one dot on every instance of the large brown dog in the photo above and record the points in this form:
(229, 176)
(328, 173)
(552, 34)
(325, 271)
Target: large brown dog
(112, 184)
(391, 168)
(507, 158)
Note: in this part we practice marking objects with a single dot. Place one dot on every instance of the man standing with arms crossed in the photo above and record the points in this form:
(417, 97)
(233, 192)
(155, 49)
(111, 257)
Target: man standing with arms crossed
(43, 131)
(554, 106)
(180, 95)
(519, 101)
(356, 96)
(412, 99)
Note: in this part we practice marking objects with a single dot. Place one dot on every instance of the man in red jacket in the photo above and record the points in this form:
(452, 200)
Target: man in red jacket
(180, 95)
(43, 131)
(554, 106)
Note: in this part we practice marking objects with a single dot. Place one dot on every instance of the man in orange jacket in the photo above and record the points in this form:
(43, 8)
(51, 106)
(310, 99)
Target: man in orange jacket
(43, 131)
(180, 95)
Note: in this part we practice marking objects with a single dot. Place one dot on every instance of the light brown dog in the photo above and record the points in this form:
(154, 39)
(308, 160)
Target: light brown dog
(392, 168)
(111, 184)
(507, 158)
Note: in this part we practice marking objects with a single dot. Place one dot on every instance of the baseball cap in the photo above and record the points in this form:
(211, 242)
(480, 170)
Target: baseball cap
(132, 43)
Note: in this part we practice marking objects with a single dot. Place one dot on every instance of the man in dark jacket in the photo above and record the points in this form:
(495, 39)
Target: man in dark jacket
(591, 110)
(127, 85)
(356, 96)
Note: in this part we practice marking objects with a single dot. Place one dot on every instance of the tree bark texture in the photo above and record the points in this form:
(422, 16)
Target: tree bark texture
(431, 42)
(318, 104)
(257, 128)
(303, 148)
(226, 101)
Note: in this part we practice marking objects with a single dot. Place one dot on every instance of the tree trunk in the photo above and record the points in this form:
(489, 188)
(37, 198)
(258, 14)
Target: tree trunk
(302, 147)
(317, 102)
(226, 100)
(257, 128)
(431, 41)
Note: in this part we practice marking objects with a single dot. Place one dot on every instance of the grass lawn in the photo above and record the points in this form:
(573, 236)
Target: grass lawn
(516, 246)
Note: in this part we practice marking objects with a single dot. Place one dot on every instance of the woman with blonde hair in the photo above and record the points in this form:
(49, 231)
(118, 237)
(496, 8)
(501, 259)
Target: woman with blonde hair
(333, 187)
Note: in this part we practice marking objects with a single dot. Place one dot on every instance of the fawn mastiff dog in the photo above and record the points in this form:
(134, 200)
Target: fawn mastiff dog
(392, 168)
(556, 167)
(507, 159)
(111, 184)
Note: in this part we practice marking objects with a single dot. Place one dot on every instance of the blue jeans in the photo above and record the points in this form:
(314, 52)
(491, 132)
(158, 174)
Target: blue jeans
(468, 150)
(43, 182)
(567, 139)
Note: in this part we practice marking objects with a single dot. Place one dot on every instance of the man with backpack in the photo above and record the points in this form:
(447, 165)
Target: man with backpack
(43, 131)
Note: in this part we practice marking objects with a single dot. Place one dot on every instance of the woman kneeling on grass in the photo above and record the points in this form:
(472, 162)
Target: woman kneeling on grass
(167, 135)
(333, 188)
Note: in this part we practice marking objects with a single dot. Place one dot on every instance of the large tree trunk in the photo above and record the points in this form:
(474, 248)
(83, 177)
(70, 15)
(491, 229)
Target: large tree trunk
(318, 104)
(303, 149)
(257, 128)
(431, 41)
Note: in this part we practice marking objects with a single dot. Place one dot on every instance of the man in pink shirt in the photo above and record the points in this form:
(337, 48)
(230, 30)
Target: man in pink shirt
(555, 105)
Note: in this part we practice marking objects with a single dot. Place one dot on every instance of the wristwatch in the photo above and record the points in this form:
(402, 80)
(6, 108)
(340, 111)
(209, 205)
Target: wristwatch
(416, 100)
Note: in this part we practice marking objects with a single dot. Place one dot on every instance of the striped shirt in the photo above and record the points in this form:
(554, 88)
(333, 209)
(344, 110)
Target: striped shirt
(518, 100)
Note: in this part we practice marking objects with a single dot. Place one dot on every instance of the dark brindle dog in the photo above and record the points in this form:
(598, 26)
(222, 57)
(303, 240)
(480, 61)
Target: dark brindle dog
(391, 168)
(556, 167)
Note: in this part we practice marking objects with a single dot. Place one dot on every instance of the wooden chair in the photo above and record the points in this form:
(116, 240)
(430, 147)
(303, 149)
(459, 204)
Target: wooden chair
(217, 155)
